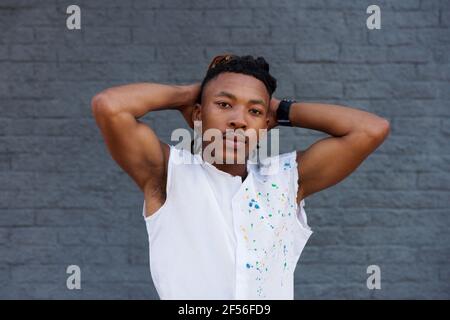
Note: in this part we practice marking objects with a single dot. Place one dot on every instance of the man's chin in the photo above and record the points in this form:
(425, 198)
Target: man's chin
(231, 156)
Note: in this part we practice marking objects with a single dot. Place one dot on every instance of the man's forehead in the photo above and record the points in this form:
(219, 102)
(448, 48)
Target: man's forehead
(240, 86)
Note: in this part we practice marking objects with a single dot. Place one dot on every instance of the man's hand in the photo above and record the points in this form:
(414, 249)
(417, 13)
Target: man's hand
(192, 93)
(273, 122)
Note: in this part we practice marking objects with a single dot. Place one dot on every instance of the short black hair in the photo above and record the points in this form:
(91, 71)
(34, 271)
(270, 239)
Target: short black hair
(258, 68)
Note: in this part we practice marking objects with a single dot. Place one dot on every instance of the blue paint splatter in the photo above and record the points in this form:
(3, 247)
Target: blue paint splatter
(253, 202)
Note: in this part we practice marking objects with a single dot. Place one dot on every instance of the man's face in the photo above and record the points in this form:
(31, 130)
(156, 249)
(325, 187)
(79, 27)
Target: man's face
(237, 105)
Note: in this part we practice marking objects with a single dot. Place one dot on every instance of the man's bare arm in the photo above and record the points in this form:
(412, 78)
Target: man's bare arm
(133, 144)
(355, 134)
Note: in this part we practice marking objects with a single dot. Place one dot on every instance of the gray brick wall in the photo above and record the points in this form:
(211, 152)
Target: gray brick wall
(64, 201)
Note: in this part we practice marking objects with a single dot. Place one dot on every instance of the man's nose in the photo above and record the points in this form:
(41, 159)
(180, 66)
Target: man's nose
(237, 120)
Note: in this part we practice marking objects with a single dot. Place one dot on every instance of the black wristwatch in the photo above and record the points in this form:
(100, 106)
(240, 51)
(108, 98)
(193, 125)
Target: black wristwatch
(283, 112)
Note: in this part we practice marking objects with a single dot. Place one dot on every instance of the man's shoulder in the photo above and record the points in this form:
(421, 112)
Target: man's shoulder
(181, 155)
(279, 163)
(287, 158)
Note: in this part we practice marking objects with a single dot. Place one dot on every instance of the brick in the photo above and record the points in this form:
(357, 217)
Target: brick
(410, 107)
(332, 274)
(232, 18)
(319, 89)
(52, 35)
(319, 18)
(430, 5)
(432, 254)
(443, 89)
(4, 235)
(87, 236)
(188, 54)
(169, 34)
(17, 71)
(405, 5)
(376, 236)
(398, 199)
(432, 71)
(284, 35)
(33, 236)
(445, 18)
(33, 52)
(324, 53)
(248, 3)
(93, 54)
(408, 217)
(439, 54)
(178, 17)
(13, 217)
(408, 54)
(241, 35)
(115, 274)
(337, 254)
(270, 17)
(433, 181)
(3, 52)
(50, 255)
(423, 90)
(37, 15)
(52, 127)
(363, 54)
(40, 274)
(417, 19)
(142, 4)
(415, 126)
(404, 272)
(433, 36)
(377, 181)
(445, 126)
(18, 35)
(55, 217)
(405, 37)
(108, 36)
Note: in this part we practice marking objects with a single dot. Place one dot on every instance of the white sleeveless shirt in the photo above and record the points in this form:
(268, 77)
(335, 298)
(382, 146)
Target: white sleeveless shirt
(216, 237)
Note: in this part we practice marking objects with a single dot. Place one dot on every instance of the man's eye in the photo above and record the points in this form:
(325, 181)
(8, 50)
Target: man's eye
(223, 104)
(256, 111)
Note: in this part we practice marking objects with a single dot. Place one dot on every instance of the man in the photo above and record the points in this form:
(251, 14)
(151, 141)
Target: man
(230, 231)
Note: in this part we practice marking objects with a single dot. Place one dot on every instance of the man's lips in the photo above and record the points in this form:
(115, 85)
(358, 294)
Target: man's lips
(235, 140)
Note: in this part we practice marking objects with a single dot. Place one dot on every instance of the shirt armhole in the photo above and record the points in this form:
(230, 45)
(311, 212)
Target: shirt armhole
(172, 155)
(300, 212)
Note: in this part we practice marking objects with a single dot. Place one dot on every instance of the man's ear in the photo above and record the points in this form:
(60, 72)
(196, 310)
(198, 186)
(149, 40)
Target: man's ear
(197, 112)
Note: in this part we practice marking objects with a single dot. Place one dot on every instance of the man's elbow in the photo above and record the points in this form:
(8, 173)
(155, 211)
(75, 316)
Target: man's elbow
(378, 129)
(102, 104)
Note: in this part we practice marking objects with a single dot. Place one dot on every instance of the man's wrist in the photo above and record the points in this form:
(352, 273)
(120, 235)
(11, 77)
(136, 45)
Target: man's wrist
(187, 94)
(274, 104)
(283, 112)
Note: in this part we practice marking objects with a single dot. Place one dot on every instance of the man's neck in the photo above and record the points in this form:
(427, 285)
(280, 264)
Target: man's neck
(233, 169)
